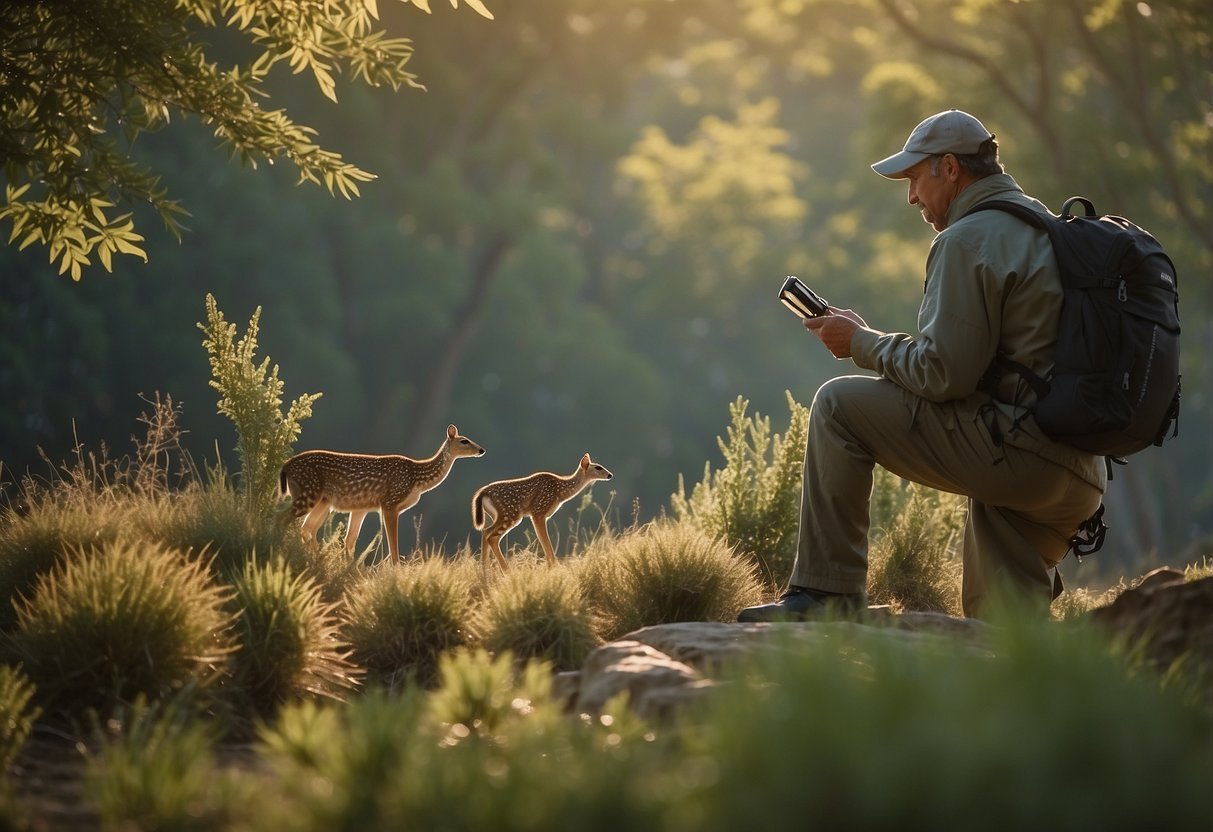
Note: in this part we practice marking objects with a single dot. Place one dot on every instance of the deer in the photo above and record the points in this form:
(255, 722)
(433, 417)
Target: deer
(500, 506)
(323, 481)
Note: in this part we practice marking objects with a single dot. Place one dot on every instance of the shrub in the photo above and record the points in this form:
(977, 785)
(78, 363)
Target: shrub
(347, 768)
(1043, 722)
(489, 750)
(753, 502)
(213, 520)
(483, 692)
(156, 771)
(913, 562)
(536, 611)
(119, 621)
(665, 572)
(31, 546)
(16, 716)
(400, 619)
(250, 395)
(288, 640)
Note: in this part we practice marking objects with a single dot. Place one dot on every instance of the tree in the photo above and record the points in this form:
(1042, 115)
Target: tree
(82, 80)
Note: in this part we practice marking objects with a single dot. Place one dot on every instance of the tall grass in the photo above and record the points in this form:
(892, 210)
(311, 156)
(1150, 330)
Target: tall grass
(753, 501)
(664, 572)
(120, 621)
(400, 619)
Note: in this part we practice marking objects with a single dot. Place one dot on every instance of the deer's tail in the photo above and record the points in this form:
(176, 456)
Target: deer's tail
(478, 510)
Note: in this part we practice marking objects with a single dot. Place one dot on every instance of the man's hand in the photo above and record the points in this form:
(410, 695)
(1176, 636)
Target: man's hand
(835, 330)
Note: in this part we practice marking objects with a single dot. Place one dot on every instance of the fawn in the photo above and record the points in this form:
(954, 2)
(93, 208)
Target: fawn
(324, 481)
(537, 496)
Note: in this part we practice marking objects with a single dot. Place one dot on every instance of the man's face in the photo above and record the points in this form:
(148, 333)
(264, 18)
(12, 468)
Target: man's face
(933, 192)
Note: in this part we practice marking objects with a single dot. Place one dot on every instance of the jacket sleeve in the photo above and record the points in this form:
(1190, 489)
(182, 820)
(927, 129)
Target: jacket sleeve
(958, 328)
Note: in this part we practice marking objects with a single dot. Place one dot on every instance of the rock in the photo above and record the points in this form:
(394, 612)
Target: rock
(1165, 616)
(662, 667)
(650, 678)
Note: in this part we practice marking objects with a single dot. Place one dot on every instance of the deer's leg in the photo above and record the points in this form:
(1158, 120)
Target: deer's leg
(315, 516)
(540, 522)
(492, 536)
(355, 526)
(390, 517)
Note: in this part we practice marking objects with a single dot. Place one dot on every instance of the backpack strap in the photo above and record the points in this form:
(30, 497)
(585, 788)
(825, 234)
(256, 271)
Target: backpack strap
(1001, 365)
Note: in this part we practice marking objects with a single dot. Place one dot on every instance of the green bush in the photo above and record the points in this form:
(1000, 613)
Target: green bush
(665, 572)
(17, 717)
(536, 612)
(487, 750)
(753, 502)
(288, 643)
(1046, 722)
(119, 621)
(157, 771)
(399, 619)
(914, 565)
(342, 769)
(31, 546)
(483, 692)
(213, 520)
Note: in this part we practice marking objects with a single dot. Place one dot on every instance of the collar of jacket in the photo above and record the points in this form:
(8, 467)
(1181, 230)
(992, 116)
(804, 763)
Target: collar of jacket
(997, 186)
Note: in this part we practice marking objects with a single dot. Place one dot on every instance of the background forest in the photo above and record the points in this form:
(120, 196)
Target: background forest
(578, 229)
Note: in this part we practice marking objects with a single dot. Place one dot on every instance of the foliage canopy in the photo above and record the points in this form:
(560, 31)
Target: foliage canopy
(82, 80)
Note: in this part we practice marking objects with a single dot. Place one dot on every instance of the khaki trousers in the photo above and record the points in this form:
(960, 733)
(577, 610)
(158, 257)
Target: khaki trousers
(1022, 512)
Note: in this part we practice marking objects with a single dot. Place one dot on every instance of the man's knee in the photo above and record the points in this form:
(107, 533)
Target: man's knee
(839, 394)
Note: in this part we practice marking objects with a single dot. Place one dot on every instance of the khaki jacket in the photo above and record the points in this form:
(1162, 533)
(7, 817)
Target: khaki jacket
(992, 286)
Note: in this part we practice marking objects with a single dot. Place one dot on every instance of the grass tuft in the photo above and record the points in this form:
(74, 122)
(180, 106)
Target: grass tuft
(399, 619)
(288, 640)
(665, 572)
(537, 612)
(117, 622)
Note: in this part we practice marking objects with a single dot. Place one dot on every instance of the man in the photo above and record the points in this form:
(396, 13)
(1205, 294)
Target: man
(992, 286)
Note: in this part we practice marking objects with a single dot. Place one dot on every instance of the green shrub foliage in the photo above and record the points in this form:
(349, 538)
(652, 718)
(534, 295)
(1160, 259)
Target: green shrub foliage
(156, 769)
(288, 640)
(914, 561)
(537, 612)
(117, 622)
(400, 619)
(664, 572)
(250, 394)
(17, 715)
(753, 501)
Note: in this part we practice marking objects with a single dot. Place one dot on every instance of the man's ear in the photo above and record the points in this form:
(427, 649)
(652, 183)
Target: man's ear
(949, 166)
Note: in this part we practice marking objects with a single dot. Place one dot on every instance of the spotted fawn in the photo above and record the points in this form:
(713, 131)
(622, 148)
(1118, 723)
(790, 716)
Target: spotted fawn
(500, 506)
(324, 481)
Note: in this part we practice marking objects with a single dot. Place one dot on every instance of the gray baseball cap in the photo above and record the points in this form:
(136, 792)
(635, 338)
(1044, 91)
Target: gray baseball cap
(952, 131)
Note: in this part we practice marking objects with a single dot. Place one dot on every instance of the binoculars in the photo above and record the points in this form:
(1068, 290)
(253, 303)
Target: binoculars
(801, 299)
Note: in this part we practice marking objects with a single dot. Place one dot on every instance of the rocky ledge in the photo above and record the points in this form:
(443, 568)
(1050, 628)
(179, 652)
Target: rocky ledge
(665, 666)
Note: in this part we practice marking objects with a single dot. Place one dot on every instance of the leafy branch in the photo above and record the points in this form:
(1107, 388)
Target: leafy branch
(82, 80)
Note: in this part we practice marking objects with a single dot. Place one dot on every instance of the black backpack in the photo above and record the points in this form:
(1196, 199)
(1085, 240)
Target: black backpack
(1115, 386)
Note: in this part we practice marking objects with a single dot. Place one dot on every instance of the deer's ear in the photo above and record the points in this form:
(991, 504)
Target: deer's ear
(451, 432)
(585, 461)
